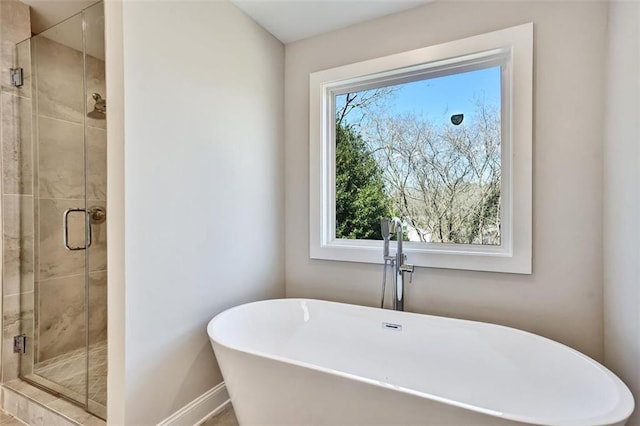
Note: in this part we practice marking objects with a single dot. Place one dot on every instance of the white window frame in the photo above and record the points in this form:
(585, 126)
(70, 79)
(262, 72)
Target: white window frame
(512, 49)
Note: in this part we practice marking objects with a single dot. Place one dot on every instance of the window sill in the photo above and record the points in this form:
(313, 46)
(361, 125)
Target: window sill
(446, 256)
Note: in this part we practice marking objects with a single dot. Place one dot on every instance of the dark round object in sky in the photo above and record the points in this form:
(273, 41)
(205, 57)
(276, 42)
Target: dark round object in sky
(456, 119)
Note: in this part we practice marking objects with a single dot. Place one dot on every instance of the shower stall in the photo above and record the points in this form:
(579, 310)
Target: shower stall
(63, 279)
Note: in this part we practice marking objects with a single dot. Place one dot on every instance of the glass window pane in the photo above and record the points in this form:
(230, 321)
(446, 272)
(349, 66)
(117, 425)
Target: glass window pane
(428, 151)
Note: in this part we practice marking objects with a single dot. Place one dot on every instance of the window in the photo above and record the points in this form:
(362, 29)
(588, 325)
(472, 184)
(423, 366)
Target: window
(439, 136)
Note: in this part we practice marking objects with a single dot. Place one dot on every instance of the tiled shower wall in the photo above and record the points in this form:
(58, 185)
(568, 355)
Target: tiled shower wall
(17, 182)
(39, 181)
(59, 276)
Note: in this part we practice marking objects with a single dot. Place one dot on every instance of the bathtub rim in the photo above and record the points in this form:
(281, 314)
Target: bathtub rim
(614, 417)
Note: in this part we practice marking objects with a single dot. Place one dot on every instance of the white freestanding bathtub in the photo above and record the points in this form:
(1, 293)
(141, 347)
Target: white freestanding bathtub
(310, 362)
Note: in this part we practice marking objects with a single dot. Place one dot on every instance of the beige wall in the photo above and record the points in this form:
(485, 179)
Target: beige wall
(562, 299)
(622, 198)
(198, 87)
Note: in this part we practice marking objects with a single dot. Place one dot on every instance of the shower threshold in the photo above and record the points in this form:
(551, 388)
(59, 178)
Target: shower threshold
(66, 375)
(27, 401)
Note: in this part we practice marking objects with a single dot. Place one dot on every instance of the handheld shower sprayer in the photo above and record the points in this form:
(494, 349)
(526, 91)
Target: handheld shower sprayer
(386, 236)
(396, 228)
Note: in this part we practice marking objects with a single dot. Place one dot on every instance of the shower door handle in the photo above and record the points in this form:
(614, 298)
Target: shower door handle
(65, 229)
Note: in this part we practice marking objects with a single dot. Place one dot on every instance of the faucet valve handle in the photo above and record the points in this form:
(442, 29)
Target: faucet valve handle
(408, 268)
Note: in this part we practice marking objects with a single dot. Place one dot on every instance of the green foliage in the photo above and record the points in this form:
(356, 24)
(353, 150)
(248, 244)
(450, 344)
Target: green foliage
(360, 193)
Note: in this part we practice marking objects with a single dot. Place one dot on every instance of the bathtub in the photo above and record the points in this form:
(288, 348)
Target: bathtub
(311, 362)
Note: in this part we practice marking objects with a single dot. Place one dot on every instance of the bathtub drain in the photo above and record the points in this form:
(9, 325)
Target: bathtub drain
(391, 326)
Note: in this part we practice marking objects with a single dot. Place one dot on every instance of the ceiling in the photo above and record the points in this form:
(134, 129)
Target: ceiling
(291, 20)
(288, 20)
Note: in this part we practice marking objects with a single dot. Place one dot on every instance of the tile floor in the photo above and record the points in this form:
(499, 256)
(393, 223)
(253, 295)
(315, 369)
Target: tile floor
(9, 420)
(68, 371)
(30, 401)
(226, 418)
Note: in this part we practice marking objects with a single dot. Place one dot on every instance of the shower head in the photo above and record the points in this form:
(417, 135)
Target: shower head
(100, 109)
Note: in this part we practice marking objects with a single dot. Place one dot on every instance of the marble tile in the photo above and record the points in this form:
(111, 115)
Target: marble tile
(18, 240)
(19, 397)
(98, 248)
(55, 387)
(59, 74)
(96, 164)
(14, 421)
(17, 155)
(14, 55)
(36, 238)
(35, 415)
(54, 259)
(7, 61)
(68, 374)
(52, 419)
(32, 392)
(16, 309)
(27, 323)
(95, 84)
(97, 374)
(16, 21)
(60, 324)
(97, 307)
(60, 159)
(94, 29)
(11, 327)
(29, 411)
(14, 28)
(10, 361)
(71, 411)
(9, 420)
(15, 404)
(23, 60)
(94, 421)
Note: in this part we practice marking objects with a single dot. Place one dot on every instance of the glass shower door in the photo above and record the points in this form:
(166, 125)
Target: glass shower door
(59, 335)
(96, 196)
(68, 332)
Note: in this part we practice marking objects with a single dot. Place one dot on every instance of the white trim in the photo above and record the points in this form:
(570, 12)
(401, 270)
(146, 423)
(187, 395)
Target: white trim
(200, 409)
(514, 255)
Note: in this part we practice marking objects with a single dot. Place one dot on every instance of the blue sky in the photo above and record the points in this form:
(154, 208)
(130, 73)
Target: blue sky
(439, 98)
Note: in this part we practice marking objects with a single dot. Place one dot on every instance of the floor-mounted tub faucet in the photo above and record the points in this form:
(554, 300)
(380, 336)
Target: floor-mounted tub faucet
(396, 262)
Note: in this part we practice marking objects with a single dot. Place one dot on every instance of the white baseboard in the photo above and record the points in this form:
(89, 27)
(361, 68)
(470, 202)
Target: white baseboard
(200, 409)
